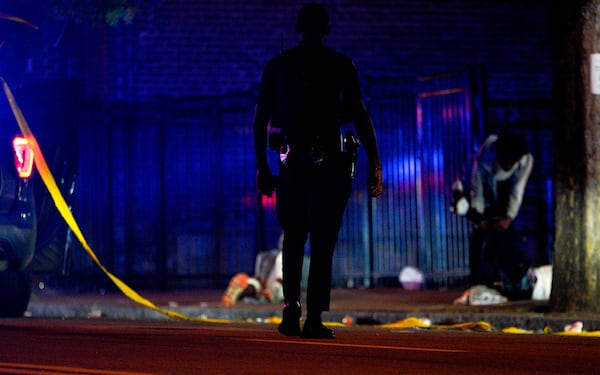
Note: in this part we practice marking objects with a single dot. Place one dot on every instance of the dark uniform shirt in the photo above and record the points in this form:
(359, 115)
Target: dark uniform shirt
(308, 90)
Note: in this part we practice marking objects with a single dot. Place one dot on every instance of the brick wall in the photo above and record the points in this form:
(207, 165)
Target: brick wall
(214, 47)
(190, 48)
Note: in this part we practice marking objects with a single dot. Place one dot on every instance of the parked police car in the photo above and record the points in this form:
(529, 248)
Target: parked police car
(18, 225)
(33, 237)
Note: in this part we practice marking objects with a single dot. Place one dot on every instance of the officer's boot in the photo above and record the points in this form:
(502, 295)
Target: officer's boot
(314, 328)
(290, 322)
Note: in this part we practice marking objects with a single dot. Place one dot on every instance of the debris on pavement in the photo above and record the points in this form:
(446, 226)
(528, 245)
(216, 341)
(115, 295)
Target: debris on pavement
(480, 295)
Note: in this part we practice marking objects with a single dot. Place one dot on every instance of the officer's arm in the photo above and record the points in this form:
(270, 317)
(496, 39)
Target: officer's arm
(520, 181)
(366, 133)
(477, 202)
(364, 129)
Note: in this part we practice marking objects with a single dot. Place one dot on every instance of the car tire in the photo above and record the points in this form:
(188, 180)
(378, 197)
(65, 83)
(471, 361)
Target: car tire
(15, 291)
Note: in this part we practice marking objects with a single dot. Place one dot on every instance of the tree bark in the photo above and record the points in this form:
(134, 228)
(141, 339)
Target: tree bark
(576, 279)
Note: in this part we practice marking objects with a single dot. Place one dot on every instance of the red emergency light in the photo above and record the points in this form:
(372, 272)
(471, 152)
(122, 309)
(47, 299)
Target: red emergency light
(23, 157)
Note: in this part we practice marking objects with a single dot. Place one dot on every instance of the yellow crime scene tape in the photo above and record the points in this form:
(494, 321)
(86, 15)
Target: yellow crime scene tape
(67, 215)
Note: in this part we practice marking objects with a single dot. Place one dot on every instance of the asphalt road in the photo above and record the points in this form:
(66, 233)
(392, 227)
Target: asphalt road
(100, 346)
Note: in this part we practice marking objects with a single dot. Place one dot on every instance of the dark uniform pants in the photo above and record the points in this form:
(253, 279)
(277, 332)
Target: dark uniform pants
(311, 199)
(496, 255)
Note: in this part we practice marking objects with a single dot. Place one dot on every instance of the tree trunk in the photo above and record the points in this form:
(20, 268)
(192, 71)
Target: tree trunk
(576, 279)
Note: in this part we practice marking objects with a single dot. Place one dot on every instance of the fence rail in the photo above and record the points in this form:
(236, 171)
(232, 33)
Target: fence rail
(177, 199)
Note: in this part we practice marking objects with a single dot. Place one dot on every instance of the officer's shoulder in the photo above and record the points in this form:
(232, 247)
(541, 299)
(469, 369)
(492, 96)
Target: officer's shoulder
(337, 54)
(342, 58)
(273, 61)
(284, 55)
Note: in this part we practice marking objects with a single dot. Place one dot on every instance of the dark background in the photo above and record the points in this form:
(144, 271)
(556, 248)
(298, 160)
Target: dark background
(158, 114)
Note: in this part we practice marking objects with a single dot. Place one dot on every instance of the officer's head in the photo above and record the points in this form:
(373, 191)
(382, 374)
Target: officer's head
(510, 148)
(313, 21)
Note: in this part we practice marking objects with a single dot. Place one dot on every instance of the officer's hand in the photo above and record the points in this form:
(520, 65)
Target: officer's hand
(483, 225)
(264, 181)
(502, 223)
(375, 182)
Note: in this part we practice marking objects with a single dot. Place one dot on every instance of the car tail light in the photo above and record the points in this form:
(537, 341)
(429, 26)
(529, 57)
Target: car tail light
(23, 157)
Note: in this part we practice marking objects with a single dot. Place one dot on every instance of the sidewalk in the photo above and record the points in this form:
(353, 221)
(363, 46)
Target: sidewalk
(364, 306)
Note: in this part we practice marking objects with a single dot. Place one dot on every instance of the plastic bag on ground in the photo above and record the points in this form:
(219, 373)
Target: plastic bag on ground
(480, 295)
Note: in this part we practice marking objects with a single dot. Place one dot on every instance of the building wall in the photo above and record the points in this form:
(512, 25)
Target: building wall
(191, 48)
(212, 52)
(207, 48)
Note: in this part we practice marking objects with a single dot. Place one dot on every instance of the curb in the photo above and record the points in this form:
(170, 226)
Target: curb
(534, 322)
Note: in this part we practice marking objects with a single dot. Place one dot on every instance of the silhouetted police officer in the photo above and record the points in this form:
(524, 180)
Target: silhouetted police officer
(500, 173)
(307, 92)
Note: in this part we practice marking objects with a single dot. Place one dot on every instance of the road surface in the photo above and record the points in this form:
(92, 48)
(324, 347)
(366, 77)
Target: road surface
(100, 346)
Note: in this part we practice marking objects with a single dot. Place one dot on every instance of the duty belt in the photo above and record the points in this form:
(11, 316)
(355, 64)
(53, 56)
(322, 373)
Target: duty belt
(315, 149)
